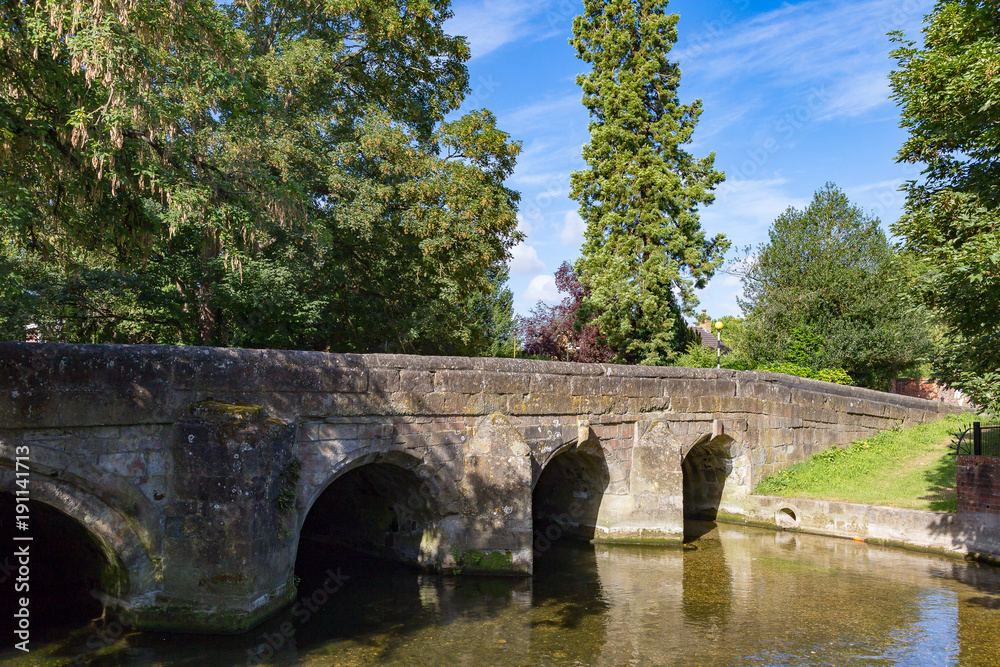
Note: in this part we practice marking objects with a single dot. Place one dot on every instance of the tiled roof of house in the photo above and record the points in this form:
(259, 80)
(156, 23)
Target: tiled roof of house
(709, 340)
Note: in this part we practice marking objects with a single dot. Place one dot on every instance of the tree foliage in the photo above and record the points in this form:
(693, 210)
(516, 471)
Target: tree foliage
(697, 355)
(558, 332)
(822, 293)
(644, 251)
(799, 355)
(492, 320)
(949, 97)
(263, 173)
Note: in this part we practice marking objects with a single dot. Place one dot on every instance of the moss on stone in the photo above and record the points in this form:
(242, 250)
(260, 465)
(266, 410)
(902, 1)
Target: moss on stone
(222, 582)
(470, 560)
(169, 618)
(289, 478)
(739, 519)
(641, 541)
(227, 413)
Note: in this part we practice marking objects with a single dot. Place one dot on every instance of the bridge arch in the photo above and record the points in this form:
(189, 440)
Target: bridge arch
(385, 504)
(568, 491)
(706, 467)
(103, 538)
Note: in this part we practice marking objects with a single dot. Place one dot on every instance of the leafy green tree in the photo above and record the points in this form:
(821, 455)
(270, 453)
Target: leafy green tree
(492, 312)
(697, 355)
(950, 104)
(822, 293)
(262, 173)
(644, 251)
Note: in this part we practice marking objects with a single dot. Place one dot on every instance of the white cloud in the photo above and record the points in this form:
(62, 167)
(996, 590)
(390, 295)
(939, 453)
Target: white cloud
(837, 45)
(744, 209)
(524, 261)
(490, 24)
(573, 228)
(542, 288)
(547, 163)
(715, 119)
(547, 112)
(856, 95)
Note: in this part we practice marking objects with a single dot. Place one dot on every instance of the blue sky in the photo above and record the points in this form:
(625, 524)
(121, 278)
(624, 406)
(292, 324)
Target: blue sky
(795, 94)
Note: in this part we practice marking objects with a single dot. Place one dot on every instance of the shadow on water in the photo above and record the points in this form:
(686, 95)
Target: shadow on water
(566, 580)
(694, 530)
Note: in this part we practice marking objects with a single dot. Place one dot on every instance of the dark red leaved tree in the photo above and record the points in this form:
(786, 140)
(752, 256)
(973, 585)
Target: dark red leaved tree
(552, 331)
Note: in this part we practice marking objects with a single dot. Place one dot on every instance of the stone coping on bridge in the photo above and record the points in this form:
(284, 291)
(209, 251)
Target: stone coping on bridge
(61, 384)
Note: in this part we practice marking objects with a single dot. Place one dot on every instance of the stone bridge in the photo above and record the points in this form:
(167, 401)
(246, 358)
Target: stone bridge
(196, 470)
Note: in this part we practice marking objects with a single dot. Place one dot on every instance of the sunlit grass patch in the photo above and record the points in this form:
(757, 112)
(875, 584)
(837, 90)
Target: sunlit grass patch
(912, 468)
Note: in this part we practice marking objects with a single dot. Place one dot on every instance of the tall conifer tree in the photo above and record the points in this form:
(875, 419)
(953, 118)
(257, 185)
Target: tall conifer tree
(644, 251)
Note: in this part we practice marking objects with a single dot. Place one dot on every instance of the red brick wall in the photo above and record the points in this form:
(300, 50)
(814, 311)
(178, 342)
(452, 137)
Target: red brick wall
(978, 486)
(929, 389)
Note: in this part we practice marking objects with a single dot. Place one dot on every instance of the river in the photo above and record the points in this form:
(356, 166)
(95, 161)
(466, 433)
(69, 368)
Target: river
(733, 596)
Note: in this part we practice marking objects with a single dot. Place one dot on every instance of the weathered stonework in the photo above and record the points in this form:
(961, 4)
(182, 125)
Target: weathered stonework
(198, 467)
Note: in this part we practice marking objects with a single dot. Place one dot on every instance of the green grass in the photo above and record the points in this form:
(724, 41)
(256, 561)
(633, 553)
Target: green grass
(911, 468)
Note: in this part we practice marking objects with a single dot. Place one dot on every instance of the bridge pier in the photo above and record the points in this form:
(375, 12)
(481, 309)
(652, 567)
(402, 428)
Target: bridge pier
(493, 533)
(652, 512)
(228, 547)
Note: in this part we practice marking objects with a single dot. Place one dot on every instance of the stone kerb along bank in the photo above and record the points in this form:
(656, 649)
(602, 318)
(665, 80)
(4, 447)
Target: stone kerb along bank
(197, 467)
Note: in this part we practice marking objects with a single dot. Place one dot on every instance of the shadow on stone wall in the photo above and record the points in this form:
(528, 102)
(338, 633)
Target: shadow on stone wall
(706, 468)
(567, 497)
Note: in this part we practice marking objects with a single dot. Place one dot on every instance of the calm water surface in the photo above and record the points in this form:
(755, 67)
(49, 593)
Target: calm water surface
(734, 596)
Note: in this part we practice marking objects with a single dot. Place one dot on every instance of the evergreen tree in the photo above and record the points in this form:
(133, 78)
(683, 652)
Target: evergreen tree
(644, 251)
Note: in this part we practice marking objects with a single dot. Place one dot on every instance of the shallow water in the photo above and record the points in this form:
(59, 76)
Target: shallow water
(734, 596)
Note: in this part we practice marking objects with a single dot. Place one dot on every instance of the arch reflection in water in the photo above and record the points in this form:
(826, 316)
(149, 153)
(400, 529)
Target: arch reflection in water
(569, 615)
(736, 596)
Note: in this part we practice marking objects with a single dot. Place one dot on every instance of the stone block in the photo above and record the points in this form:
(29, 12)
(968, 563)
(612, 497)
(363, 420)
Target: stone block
(416, 382)
(550, 384)
(643, 405)
(482, 404)
(765, 391)
(383, 380)
(586, 386)
(543, 404)
(506, 383)
(459, 382)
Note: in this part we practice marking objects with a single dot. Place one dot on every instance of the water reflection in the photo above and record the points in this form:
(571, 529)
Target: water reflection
(732, 596)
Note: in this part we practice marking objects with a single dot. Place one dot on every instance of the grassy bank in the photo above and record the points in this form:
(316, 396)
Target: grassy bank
(911, 468)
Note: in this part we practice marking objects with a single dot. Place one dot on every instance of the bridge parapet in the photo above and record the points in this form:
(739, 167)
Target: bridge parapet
(476, 443)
